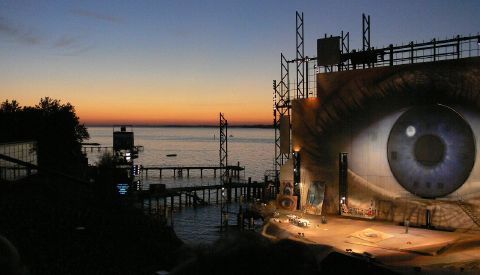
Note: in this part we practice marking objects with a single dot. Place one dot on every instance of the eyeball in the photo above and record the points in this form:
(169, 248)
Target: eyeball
(431, 150)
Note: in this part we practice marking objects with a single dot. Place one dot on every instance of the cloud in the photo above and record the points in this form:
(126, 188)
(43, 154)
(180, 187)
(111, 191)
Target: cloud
(18, 33)
(66, 44)
(97, 16)
(70, 45)
(77, 51)
(65, 41)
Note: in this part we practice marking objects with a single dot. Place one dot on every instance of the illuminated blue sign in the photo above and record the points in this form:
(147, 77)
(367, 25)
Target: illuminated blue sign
(122, 188)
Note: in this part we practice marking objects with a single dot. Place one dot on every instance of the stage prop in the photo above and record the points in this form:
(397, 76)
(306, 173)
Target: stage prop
(315, 198)
(410, 133)
(287, 202)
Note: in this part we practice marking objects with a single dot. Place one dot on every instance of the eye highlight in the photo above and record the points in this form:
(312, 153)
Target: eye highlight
(410, 131)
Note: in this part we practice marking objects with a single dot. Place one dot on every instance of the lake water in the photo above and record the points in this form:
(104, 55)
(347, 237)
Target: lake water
(253, 148)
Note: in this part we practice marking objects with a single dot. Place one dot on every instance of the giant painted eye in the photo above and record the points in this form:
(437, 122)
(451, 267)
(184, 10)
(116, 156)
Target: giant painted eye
(431, 150)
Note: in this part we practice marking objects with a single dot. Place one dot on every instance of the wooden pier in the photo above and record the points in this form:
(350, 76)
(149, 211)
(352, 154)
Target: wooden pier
(180, 171)
(155, 201)
(99, 148)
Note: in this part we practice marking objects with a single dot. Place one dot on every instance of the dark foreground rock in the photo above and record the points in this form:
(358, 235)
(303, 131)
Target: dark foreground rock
(61, 227)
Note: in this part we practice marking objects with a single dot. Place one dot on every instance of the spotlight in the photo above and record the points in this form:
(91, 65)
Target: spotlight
(478, 41)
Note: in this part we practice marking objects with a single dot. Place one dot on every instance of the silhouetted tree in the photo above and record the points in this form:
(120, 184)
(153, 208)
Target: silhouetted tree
(54, 126)
(9, 107)
(106, 161)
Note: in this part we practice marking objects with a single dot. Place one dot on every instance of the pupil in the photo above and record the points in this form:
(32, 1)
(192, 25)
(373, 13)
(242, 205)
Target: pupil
(429, 150)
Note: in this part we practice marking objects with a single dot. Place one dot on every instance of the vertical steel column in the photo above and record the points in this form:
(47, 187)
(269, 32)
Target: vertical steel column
(297, 178)
(412, 52)
(342, 180)
(306, 77)
(458, 46)
(391, 54)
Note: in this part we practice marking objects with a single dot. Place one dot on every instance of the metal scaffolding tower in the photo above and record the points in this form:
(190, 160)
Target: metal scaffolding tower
(345, 49)
(300, 60)
(284, 96)
(276, 122)
(223, 151)
(281, 99)
(365, 34)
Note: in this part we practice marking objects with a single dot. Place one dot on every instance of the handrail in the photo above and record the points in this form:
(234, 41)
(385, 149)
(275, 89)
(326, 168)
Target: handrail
(43, 169)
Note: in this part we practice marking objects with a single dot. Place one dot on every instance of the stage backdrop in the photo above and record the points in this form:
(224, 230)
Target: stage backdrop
(411, 134)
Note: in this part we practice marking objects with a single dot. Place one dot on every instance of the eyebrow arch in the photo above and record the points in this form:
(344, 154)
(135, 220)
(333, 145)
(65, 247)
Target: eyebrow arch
(342, 94)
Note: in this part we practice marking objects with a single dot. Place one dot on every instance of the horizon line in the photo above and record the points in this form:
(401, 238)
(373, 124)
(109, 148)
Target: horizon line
(182, 125)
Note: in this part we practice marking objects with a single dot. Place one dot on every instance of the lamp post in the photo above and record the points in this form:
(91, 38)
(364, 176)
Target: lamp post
(342, 180)
(223, 213)
(296, 177)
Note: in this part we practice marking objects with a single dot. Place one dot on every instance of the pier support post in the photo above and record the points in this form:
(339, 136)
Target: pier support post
(149, 205)
(249, 188)
(238, 170)
(180, 201)
(229, 190)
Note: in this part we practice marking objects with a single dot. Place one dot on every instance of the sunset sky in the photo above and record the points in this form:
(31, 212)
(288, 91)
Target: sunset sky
(183, 62)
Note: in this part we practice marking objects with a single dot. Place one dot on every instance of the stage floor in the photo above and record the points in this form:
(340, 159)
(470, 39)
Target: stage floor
(418, 251)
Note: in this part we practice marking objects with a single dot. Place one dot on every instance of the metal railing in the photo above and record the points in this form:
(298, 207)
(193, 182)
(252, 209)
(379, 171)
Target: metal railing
(393, 55)
(411, 53)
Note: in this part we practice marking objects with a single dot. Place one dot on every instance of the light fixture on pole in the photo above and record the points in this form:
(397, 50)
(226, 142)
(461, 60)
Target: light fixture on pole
(296, 176)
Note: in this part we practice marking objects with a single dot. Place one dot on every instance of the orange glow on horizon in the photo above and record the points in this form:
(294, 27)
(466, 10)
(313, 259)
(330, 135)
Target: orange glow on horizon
(169, 117)
(125, 101)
